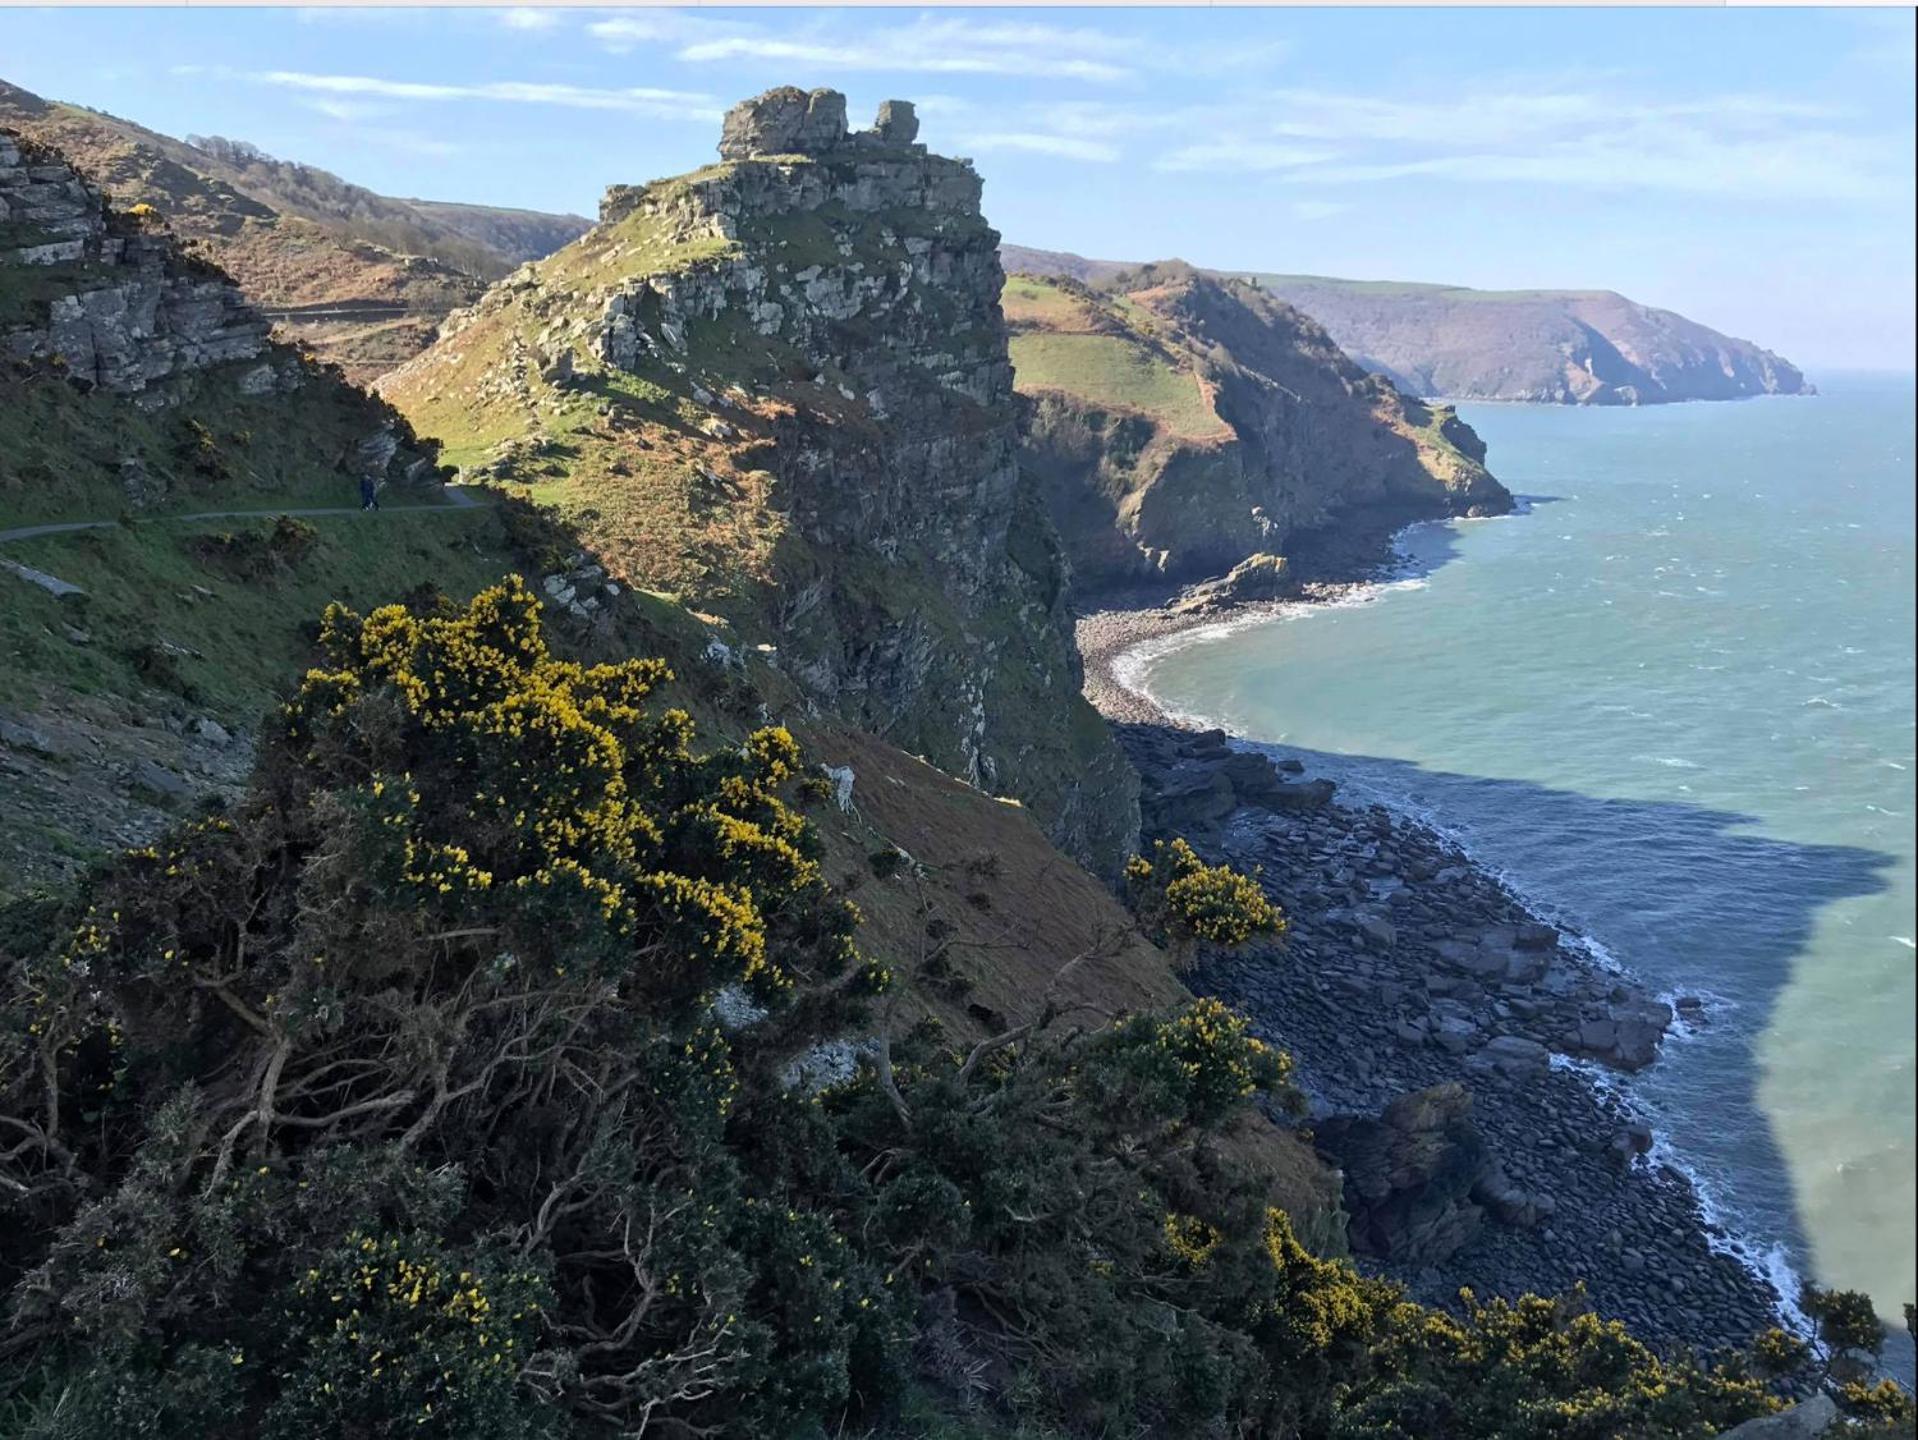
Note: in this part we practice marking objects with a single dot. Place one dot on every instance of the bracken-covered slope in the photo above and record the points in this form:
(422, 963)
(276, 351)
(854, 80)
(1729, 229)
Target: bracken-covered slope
(1570, 347)
(779, 388)
(356, 278)
(1182, 426)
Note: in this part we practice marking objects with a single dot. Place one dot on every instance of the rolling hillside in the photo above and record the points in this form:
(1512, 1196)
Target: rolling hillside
(1566, 347)
(355, 278)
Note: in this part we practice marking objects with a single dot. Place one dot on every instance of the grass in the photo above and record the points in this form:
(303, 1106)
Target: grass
(1030, 301)
(150, 586)
(1404, 289)
(61, 451)
(27, 290)
(1116, 372)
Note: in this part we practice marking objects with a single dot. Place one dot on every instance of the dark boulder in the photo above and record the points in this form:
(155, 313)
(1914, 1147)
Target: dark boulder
(1410, 1173)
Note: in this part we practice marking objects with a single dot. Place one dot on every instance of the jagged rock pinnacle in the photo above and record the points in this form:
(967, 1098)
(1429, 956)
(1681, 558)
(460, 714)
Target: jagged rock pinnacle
(791, 121)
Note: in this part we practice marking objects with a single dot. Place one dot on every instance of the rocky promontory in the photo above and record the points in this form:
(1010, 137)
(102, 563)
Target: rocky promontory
(1554, 347)
(778, 387)
(1183, 426)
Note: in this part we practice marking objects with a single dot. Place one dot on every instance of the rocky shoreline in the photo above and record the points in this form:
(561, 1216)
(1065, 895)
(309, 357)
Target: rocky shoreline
(1444, 1036)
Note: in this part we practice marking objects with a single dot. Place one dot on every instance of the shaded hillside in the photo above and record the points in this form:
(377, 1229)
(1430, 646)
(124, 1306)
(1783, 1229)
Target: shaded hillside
(516, 235)
(354, 277)
(481, 240)
(1572, 347)
(778, 386)
(1182, 425)
(1566, 347)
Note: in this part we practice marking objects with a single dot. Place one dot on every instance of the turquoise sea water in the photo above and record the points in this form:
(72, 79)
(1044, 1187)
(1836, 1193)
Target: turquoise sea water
(1673, 703)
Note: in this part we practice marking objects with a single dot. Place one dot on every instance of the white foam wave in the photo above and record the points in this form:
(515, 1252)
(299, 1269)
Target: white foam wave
(1693, 1024)
(1906, 941)
(1769, 1263)
(1131, 665)
(1673, 762)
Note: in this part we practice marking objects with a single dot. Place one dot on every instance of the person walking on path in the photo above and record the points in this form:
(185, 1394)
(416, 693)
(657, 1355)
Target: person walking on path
(369, 493)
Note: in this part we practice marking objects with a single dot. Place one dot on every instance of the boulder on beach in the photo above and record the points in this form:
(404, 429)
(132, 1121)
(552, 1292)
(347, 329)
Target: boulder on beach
(1409, 1174)
(1814, 1417)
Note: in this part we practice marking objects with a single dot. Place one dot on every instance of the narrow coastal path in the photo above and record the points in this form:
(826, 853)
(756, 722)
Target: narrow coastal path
(456, 499)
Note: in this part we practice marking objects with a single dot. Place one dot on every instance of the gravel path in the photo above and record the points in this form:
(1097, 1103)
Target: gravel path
(456, 499)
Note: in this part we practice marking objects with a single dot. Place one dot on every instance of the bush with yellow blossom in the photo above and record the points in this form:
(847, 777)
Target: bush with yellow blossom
(400, 1100)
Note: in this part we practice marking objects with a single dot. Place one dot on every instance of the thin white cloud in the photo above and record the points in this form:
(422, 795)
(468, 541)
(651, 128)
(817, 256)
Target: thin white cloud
(348, 111)
(1812, 166)
(1752, 146)
(1244, 155)
(937, 48)
(623, 33)
(933, 44)
(1317, 209)
(526, 18)
(1065, 147)
(662, 104)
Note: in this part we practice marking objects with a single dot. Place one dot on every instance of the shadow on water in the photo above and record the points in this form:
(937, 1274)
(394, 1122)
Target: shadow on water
(1691, 901)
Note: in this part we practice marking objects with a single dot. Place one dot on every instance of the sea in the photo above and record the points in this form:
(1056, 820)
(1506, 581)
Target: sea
(1671, 701)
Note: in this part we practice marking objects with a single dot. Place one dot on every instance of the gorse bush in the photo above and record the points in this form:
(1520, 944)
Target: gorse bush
(395, 1101)
(1184, 902)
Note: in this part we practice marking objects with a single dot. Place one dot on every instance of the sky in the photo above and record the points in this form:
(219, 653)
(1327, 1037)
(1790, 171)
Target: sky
(1751, 168)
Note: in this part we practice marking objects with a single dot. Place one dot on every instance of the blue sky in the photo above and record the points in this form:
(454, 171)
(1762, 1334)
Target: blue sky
(1749, 167)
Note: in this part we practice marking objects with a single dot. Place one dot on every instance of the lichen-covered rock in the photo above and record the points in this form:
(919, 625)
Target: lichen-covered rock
(784, 121)
(791, 121)
(135, 315)
(898, 122)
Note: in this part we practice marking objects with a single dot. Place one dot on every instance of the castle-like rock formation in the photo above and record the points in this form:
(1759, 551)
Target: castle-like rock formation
(791, 121)
(830, 299)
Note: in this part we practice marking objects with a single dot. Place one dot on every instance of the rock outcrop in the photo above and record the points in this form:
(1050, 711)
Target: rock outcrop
(106, 303)
(1813, 1417)
(104, 318)
(1184, 427)
(359, 279)
(801, 348)
(1420, 1178)
(1409, 1175)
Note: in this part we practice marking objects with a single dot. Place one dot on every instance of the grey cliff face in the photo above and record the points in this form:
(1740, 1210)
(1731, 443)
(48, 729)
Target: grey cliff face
(134, 317)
